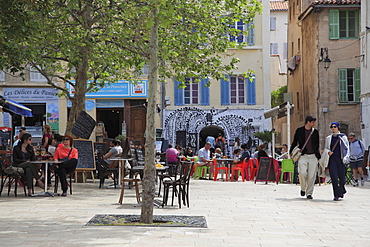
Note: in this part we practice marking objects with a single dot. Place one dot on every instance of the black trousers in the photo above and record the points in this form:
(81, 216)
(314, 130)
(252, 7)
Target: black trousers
(31, 172)
(68, 166)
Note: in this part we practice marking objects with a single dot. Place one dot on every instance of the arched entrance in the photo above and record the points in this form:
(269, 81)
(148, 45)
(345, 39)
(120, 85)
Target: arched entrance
(209, 131)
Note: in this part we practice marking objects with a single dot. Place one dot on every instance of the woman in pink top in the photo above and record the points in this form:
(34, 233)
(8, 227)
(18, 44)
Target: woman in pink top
(69, 156)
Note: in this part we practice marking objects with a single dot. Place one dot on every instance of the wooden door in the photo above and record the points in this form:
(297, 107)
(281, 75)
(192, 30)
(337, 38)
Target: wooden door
(138, 123)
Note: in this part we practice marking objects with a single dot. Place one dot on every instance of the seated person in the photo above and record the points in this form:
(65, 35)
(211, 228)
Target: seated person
(189, 152)
(23, 153)
(171, 154)
(55, 143)
(114, 151)
(204, 159)
(69, 156)
(245, 155)
(218, 153)
(236, 154)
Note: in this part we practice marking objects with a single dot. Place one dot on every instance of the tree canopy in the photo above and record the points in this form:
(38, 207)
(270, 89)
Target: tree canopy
(88, 43)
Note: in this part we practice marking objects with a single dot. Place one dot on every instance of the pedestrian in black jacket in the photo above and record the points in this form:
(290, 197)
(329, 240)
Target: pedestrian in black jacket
(308, 162)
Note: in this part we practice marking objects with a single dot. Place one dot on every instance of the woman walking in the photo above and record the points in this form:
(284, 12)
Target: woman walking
(337, 144)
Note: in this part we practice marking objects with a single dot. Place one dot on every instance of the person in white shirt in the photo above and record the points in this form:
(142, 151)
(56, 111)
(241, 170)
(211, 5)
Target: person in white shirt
(205, 160)
(115, 151)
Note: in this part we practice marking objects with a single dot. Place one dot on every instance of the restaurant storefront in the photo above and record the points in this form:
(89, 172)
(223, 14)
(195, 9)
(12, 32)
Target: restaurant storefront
(43, 102)
(120, 107)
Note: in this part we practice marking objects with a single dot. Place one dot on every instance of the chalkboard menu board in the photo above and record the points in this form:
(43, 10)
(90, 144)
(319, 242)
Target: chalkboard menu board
(84, 126)
(266, 170)
(86, 157)
(100, 147)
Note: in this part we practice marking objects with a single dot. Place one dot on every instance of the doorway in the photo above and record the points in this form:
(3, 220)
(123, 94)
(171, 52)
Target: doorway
(38, 119)
(112, 119)
(209, 131)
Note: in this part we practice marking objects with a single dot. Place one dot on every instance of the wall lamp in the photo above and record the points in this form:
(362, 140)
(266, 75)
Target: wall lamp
(324, 57)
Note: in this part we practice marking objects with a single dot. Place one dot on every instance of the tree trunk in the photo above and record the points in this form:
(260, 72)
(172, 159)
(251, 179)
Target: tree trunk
(78, 100)
(149, 169)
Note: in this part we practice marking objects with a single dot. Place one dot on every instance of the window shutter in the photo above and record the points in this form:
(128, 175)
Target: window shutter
(357, 84)
(272, 23)
(342, 85)
(285, 54)
(225, 90)
(273, 48)
(179, 94)
(334, 24)
(251, 90)
(250, 37)
(204, 92)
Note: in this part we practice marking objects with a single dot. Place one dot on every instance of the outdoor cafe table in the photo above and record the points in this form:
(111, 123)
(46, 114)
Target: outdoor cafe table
(120, 170)
(225, 162)
(46, 162)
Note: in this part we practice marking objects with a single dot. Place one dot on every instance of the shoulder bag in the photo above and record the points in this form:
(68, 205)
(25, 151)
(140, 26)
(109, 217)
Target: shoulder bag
(66, 158)
(296, 153)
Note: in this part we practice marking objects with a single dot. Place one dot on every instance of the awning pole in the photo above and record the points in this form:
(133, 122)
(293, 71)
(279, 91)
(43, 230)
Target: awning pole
(23, 121)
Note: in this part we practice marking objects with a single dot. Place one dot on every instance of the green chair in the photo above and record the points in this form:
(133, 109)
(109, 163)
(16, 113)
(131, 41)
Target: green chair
(287, 165)
(199, 170)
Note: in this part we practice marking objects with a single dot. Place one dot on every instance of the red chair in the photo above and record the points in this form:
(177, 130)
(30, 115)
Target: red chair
(216, 169)
(254, 168)
(242, 167)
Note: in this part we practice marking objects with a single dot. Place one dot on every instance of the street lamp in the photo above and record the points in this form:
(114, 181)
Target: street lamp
(326, 60)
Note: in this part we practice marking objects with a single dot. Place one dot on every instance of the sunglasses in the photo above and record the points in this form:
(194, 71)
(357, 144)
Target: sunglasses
(333, 126)
(66, 139)
(30, 139)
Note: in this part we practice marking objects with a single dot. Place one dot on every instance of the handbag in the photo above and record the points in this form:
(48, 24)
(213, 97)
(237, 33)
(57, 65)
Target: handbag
(66, 158)
(296, 152)
(13, 170)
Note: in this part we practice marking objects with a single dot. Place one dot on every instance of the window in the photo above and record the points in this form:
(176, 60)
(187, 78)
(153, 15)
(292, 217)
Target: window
(343, 24)
(285, 54)
(36, 76)
(238, 90)
(274, 49)
(249, 39)
(349, 85)
(193, 93)
(272, 23)
(2, 76)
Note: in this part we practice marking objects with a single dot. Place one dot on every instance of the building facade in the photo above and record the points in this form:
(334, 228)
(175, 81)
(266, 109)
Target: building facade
(320, 31)
(233, 107)
(365, 71)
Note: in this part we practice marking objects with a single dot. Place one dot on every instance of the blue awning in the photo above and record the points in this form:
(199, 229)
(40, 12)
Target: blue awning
(17, 108)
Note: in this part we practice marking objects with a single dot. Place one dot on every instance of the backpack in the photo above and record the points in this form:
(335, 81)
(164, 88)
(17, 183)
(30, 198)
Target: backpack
(220, 142)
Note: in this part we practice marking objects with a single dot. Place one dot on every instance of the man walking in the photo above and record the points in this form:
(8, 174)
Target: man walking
(307, 139)
(356, 158)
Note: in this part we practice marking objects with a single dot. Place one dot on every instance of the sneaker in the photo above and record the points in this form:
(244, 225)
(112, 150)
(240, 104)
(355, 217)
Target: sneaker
(362, 182)
(64, 194)
(303, 193)
(336, 198)
(355, 184)
(309, 197)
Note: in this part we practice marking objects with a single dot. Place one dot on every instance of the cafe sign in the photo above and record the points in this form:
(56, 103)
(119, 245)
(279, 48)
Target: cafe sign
(119, 89)
(30, 94)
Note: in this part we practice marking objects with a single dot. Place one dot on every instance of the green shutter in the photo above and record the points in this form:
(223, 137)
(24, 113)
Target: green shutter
(357, 84)
(334, 24)
(342, 85)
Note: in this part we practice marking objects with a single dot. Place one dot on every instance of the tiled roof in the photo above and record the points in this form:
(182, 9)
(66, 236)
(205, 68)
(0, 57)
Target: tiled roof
(279, 5)
(325, 3)
(337, 2)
